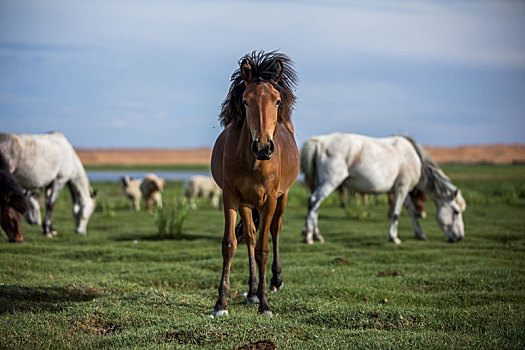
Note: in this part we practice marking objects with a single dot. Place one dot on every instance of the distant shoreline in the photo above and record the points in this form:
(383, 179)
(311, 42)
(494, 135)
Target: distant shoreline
(475, 154)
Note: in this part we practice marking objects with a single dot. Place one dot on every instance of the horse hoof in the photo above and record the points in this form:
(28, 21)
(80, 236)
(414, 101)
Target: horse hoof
(49, 235)
(308, 241)
(394, 240)
(267, 313)
(277, 289)
(218, 313)
(54, 232)
(252, 300)
(421, 237)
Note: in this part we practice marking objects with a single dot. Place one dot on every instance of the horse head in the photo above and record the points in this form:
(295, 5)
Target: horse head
(261, 101)
(11, 222)
(82, 210)
(449, 216)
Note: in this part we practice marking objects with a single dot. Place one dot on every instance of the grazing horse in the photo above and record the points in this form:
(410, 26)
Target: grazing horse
(255, 161)
(12, 204)
(202, 187)
(394, 165)
(131, 190)
(49, 161)
(151, 188)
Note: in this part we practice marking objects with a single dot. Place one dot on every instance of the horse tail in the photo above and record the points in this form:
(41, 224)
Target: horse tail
(12, 194)
(239, 230)
(433, 178)
(309, 153)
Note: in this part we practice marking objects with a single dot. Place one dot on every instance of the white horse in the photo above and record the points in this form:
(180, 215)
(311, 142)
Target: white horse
(49, 161)
(202, 187)
(131, 190)
(394, 165)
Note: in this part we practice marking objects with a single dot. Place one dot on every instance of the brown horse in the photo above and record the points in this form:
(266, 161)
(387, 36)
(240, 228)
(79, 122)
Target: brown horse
(255, 161)
(13, 204)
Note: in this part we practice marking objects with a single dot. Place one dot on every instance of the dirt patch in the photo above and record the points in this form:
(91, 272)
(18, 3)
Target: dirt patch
(260, 345)
(491, 154)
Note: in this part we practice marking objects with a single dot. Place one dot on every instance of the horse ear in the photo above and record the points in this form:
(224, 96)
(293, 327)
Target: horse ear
(246, 71)
(281, 69)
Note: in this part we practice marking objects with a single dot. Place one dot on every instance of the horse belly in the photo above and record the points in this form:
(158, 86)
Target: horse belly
(370, 181)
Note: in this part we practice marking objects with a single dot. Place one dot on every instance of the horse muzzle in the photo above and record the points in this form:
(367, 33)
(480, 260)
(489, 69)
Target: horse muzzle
(263, 151)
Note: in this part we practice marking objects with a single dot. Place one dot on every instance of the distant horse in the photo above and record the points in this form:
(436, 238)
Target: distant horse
(202, 187)
(131, 190)
(255, 161)
(151, 188)
(12, 204)
(49, 161)
(394, 165)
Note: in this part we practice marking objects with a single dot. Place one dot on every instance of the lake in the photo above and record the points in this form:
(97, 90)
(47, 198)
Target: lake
(115, 175)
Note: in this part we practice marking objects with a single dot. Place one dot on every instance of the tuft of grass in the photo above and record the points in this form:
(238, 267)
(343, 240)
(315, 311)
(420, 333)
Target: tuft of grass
(170, 219)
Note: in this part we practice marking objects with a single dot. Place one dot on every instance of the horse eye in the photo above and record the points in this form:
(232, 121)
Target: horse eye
(277, 103)
(245, 103)
(455, 212)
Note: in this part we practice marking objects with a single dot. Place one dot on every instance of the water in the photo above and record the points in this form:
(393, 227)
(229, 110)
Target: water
(115, 176)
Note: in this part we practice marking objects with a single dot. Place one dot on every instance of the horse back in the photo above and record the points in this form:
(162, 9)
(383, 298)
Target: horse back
(36, 160)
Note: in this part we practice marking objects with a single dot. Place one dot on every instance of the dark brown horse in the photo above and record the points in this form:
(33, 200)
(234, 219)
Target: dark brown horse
(255, 161)
(13, 204)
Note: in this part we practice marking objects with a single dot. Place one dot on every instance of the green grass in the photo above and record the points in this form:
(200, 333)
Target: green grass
(123, 286)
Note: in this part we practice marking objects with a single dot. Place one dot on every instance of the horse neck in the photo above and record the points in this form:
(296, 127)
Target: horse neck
(79, 184)
(439, 191)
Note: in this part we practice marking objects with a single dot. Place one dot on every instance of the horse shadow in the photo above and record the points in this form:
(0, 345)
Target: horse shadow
(153, 237)
(54, 299)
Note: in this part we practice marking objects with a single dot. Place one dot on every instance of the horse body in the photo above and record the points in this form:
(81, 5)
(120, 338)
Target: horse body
(395, 165)
(49, 161)
(202, 187)
(255, 161)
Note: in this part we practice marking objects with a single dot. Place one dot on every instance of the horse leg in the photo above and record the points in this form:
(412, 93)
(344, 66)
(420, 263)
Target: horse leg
(250, 235)
(277, 281)
(311, 229)
(157, 196)
(262, 251)
(215, 200)
(413, 212)
(400, 194)
(229, 247)
(52, 192)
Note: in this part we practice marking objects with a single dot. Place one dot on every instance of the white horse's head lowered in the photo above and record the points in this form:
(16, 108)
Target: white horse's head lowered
(82, 210)
(449, 216)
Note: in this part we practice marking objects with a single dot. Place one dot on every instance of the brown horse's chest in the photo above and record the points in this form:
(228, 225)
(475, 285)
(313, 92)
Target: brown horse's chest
(256, 188)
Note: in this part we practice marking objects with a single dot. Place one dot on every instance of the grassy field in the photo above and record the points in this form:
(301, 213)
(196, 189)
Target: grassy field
(124, 286)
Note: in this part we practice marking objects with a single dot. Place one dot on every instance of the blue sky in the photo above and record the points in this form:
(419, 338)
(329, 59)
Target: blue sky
(154, 73)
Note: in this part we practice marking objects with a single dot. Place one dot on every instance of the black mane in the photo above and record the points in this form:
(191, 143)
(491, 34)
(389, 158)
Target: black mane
(265, 67)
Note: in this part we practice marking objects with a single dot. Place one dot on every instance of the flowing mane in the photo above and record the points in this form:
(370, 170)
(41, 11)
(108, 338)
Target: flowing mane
(272, 67)
(432, 176)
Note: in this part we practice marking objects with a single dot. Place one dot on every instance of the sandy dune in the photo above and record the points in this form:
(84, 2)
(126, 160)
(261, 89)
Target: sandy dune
(495, 153)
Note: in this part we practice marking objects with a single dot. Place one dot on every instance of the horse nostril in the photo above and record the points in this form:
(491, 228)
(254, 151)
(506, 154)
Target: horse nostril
(254, 147)
(272, 147)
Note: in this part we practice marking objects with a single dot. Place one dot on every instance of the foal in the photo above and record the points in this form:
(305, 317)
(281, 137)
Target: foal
(255, 161)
